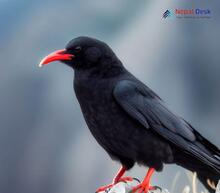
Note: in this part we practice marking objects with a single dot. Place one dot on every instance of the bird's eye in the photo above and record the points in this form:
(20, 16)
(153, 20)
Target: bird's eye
(78, 48)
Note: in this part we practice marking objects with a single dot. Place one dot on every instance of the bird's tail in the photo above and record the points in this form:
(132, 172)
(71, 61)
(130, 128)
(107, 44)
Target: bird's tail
(205, 161)
(210, 181)
(207, 175)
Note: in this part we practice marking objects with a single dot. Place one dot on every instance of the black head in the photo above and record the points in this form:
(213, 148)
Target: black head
(84, 53)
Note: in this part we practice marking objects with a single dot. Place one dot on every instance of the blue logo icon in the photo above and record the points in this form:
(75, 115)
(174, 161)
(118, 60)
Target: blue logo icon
(166, 14)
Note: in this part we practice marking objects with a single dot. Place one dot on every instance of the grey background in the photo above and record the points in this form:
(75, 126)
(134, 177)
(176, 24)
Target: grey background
(45, 146)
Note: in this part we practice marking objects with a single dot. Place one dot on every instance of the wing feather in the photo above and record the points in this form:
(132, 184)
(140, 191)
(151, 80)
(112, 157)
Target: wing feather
(148, 109)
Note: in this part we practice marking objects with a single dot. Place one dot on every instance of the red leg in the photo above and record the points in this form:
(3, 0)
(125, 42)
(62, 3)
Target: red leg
(120, 173)
(145, 185)
(116, 179)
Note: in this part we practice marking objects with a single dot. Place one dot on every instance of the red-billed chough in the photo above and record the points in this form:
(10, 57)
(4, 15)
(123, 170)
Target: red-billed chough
(129, 120)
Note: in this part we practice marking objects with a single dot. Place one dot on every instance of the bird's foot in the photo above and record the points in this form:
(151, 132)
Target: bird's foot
(143, 187)
(122, 179)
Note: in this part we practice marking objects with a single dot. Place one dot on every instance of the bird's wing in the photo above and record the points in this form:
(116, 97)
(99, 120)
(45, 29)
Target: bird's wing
(148, 109)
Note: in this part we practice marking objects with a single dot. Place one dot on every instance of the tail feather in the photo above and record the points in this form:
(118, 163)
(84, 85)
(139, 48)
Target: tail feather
(202, 157)
(209, 181)
(208, 171)
(207, 158)
(208, 145)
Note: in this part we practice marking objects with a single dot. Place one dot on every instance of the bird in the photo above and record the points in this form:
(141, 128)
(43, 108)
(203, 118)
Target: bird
(129, 120)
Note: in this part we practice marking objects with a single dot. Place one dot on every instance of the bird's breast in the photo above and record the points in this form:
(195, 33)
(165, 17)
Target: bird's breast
(107, 122)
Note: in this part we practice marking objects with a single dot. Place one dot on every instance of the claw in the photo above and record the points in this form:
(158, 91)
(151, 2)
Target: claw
(145, 185)
(109, 186)
(118, 178)
(157, 187)
(104, 188)
(143, 188)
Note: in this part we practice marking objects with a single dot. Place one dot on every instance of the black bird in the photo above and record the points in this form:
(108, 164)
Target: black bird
(129, 120)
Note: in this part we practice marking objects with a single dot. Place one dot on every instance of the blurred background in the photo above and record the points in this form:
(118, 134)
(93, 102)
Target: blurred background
(45, 145)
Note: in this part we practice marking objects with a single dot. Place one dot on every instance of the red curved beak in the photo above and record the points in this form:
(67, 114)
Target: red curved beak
(56, 56)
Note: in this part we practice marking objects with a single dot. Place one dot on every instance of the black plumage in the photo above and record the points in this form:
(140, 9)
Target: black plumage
(129, 120)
